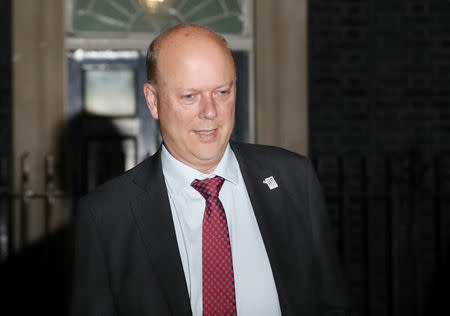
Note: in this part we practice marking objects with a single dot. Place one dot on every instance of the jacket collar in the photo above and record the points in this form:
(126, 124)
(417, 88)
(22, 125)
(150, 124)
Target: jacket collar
(154, 219)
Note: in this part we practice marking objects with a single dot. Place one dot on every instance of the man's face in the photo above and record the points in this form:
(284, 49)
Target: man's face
(194, 100)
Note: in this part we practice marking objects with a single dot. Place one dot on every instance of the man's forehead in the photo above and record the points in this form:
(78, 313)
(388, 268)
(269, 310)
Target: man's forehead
(189, 44)
(193, 87)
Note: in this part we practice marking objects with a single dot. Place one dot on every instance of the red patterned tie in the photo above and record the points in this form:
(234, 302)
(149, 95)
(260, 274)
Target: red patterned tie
(218, 278)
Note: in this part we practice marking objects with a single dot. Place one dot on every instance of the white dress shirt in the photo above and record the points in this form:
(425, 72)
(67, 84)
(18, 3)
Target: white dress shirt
(255, 289)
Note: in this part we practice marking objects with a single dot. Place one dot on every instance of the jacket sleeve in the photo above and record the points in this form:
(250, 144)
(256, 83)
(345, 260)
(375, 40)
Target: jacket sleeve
(91, 292)
(335, 299)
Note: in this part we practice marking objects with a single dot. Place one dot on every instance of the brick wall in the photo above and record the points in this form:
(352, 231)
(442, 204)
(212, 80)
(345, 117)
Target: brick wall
(379, 87)
(379, 74)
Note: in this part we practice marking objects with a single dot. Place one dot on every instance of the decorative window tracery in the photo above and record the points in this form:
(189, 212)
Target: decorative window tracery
(129, 16)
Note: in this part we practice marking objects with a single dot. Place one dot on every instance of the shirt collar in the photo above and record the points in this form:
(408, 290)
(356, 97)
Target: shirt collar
(179, 175)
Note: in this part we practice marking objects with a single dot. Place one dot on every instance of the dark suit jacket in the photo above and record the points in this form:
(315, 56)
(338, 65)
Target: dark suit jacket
(126, 254)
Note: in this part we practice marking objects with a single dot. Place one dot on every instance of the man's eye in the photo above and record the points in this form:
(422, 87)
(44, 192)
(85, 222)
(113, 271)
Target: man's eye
(188, 96)
(223, 92)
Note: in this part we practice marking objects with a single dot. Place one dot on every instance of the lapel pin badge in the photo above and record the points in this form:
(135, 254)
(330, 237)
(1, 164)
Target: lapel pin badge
(271, 183)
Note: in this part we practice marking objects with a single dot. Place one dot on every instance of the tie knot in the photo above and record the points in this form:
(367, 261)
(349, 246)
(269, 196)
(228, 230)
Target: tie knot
(208, 187)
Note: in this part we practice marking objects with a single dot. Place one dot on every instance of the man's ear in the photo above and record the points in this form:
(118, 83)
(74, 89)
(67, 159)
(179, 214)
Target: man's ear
(151, 97)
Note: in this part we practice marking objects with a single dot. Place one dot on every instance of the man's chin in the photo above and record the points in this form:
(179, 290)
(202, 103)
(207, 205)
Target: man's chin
(209, 158)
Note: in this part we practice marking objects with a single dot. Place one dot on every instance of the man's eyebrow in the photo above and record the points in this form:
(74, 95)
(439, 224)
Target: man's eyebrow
(184, 90)
(229, 84)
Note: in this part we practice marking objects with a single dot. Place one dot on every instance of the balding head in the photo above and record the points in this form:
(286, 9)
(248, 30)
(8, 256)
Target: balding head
(181, 33)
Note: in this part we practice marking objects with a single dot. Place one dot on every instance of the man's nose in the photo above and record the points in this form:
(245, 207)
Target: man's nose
(208, 107)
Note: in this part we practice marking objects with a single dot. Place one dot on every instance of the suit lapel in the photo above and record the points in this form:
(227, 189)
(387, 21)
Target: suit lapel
(154, 218)
(269, 206)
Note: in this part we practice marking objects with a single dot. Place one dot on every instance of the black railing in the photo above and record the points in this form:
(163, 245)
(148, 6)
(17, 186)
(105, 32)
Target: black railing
(24, 197)
(391, 221)
(35, 272)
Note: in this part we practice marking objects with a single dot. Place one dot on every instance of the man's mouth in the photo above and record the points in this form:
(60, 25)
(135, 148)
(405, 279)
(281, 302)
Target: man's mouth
(209, 132)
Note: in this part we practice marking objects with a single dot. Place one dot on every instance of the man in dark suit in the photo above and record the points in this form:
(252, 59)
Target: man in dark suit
(205, 226)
